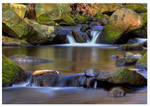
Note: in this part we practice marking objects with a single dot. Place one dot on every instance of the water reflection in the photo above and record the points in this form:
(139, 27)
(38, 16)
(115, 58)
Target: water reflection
(67, 59)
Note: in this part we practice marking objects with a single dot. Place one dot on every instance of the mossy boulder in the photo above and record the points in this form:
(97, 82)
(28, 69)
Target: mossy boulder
(13, 25)
(137, 7)
(11, 72)
(142, 63)
(19, 9)
(120, 24)
(46, 13)
(44, 33)
(142, 32)
(125, 76)
(130, 47)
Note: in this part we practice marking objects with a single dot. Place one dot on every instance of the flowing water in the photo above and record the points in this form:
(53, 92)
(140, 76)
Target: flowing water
(68, 60)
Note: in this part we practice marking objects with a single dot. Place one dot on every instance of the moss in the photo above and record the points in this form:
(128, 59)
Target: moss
(144, 16)
(124, 75)
(136, 7)
(10, 71)
(130, 60)
(142, 62)
(82, 18)
(111, 33)
(68, 19)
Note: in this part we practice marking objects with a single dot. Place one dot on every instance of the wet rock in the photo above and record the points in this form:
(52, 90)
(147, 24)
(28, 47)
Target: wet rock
(122, 76)
(91, 72)
(125, 76)
(77, 80)
(126, 61)
(11, 72)
(29, 60)
(117, 92)
(78, 37)
(142, 63)
(130, 47)
(119, 24)
(131, 55)
(45, 78)
(85, 27)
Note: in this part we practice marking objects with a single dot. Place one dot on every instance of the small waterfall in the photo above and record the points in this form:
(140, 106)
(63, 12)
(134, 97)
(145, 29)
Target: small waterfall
(141, 40)
(95, 35)
(71, 39)
(24, 84)
(95, 84)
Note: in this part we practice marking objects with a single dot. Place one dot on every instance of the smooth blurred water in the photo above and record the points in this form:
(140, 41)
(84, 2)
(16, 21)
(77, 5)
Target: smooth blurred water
(68, 60)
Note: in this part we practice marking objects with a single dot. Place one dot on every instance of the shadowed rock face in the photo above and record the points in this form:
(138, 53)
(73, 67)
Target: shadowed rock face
(77, 80)
(21, 59)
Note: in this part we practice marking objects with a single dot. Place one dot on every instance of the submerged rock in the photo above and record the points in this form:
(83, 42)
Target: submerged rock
(117, 92)
(29, 60)
(119, 24)
(45, 78)
(11, 72)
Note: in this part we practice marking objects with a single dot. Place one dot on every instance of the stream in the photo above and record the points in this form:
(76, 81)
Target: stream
(68, 60)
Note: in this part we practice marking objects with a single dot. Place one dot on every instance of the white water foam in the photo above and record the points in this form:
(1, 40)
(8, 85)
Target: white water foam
(141, 40)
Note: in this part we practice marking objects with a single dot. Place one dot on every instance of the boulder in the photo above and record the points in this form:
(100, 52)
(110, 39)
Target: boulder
(142, 63)
(11, 72)
(13, 25)
(48, 12)
(19, 9)
(119, 24)
(125, 76)
(121, 76)
(45, 78)
(45, 34)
